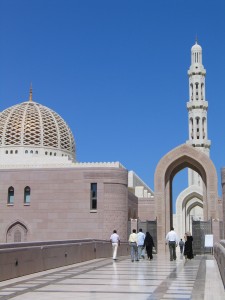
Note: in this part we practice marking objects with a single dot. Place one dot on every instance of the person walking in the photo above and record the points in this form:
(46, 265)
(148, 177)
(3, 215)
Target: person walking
(188, 251)
(140, 243)
(172, 240)
(133, 246)
(115, 240)
(181, 245)
(149, 244)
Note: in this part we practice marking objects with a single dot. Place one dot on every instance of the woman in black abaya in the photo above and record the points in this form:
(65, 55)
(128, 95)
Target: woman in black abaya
(149, 244)
(188, 251)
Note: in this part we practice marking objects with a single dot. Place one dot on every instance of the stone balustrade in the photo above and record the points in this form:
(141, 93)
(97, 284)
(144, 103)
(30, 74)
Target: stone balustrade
(26, 258)
(219, 253)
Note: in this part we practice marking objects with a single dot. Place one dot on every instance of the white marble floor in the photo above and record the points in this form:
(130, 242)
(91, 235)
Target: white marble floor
(105, 279)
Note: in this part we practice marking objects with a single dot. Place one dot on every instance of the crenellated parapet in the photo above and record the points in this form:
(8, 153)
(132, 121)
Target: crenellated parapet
(98, 165)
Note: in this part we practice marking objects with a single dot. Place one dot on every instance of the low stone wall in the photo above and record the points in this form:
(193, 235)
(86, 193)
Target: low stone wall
(219, 253)
(27, 258)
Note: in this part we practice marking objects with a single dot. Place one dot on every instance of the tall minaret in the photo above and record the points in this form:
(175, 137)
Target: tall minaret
(197, 109)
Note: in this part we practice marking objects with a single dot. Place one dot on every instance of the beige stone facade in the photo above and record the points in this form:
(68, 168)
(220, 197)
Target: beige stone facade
(59, 206)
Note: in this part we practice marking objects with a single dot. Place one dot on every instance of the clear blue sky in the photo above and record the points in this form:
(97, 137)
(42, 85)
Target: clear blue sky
(116, 71)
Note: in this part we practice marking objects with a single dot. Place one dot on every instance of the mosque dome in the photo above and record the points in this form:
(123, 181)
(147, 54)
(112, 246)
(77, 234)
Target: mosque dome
(31, 128)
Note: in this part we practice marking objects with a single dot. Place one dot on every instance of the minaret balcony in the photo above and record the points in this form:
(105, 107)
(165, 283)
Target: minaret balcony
(199, 143)
(197, 104)
(195, 70)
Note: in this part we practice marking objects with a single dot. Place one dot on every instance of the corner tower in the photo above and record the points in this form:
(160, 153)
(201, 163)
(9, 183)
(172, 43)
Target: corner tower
(197, 109)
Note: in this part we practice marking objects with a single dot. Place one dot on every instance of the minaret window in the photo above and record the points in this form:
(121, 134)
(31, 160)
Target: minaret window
(202, 86)
(197, 129)
(191, 85)
(203, 128)
(196, 86)
(192, 130)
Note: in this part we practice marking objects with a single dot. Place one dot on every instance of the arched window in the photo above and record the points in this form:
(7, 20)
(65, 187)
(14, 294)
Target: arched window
(31, 151)
(27, 195)
(36, 152)
(17, 233)
(191, 90)
(26, 151)
(16, 151)
(10, 195)
(197, 128)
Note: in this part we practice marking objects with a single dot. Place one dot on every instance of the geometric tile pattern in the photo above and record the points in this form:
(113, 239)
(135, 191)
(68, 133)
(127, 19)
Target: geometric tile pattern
(32, 124)
(104, 279)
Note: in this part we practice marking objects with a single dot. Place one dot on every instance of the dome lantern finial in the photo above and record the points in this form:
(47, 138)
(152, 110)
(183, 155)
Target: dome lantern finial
(31, 93)
(196, 39)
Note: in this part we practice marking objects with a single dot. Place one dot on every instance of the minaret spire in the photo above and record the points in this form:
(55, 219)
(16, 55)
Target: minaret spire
(197, 106)
(31, 93)
(196, 39)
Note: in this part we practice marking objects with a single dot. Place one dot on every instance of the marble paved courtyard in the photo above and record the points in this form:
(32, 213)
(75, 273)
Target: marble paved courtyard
(122, 279)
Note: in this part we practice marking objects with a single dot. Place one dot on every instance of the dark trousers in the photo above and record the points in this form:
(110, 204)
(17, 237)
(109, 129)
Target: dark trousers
(172, 248)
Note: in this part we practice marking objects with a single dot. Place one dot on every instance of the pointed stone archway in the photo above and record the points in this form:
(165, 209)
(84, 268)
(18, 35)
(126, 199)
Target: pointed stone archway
(189, 198)
(184, 156)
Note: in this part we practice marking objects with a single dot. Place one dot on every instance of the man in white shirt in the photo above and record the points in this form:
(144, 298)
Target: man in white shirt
(115, 240)
(133, 246)
(172, 240)
(140, 243)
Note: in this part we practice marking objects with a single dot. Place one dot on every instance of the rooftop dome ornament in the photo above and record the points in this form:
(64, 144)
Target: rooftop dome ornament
(196, 39)
(31, 93)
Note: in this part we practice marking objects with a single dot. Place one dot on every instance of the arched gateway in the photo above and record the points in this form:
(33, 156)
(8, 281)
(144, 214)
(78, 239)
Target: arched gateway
(184, 156)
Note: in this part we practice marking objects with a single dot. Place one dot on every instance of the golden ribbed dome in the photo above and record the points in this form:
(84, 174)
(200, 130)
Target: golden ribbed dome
(32, 125)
